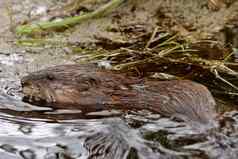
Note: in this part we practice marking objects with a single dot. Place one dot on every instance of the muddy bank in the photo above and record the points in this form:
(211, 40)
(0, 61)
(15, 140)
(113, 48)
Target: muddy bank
(194, 20)
(129, 37)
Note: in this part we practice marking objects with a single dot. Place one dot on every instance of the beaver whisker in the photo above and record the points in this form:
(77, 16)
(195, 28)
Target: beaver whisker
(89, 89)
(31, 96)
(50, 96)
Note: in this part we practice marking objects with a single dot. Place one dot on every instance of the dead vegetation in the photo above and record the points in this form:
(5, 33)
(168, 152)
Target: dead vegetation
(185, 47)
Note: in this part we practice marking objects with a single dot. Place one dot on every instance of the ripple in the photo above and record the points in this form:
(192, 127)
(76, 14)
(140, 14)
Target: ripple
(32, 132)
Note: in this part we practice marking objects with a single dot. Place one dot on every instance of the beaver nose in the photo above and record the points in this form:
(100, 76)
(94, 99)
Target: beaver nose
(25, 83)
(24, 80)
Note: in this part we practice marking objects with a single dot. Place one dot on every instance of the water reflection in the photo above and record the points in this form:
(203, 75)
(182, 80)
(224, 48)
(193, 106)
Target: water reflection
(31, 132)
(107, 138)
(103, 138)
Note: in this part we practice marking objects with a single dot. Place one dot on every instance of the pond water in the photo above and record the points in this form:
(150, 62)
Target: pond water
(31, 132)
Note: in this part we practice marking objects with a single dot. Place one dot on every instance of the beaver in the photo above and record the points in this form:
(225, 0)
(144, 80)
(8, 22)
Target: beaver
(91, 89)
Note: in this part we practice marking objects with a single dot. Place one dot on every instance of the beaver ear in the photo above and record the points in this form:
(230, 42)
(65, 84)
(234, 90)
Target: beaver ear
(87, 79)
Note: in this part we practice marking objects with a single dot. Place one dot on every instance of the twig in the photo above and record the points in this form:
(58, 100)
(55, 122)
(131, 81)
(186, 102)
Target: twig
(213, 64)
(151, 38)
(222, 79)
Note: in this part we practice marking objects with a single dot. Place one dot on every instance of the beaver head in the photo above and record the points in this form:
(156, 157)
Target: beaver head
(74, 86)
(90, 89)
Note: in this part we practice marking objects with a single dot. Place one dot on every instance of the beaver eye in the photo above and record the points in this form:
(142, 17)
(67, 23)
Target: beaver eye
(50, 77)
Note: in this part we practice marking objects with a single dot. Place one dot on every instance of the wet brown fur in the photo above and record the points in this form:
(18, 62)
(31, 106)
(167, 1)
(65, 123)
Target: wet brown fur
(90, 89)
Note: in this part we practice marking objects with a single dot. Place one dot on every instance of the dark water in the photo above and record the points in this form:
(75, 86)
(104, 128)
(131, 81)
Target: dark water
(30, 132)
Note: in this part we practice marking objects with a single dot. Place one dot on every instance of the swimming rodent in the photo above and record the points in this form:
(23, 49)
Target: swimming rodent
(91, 89)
